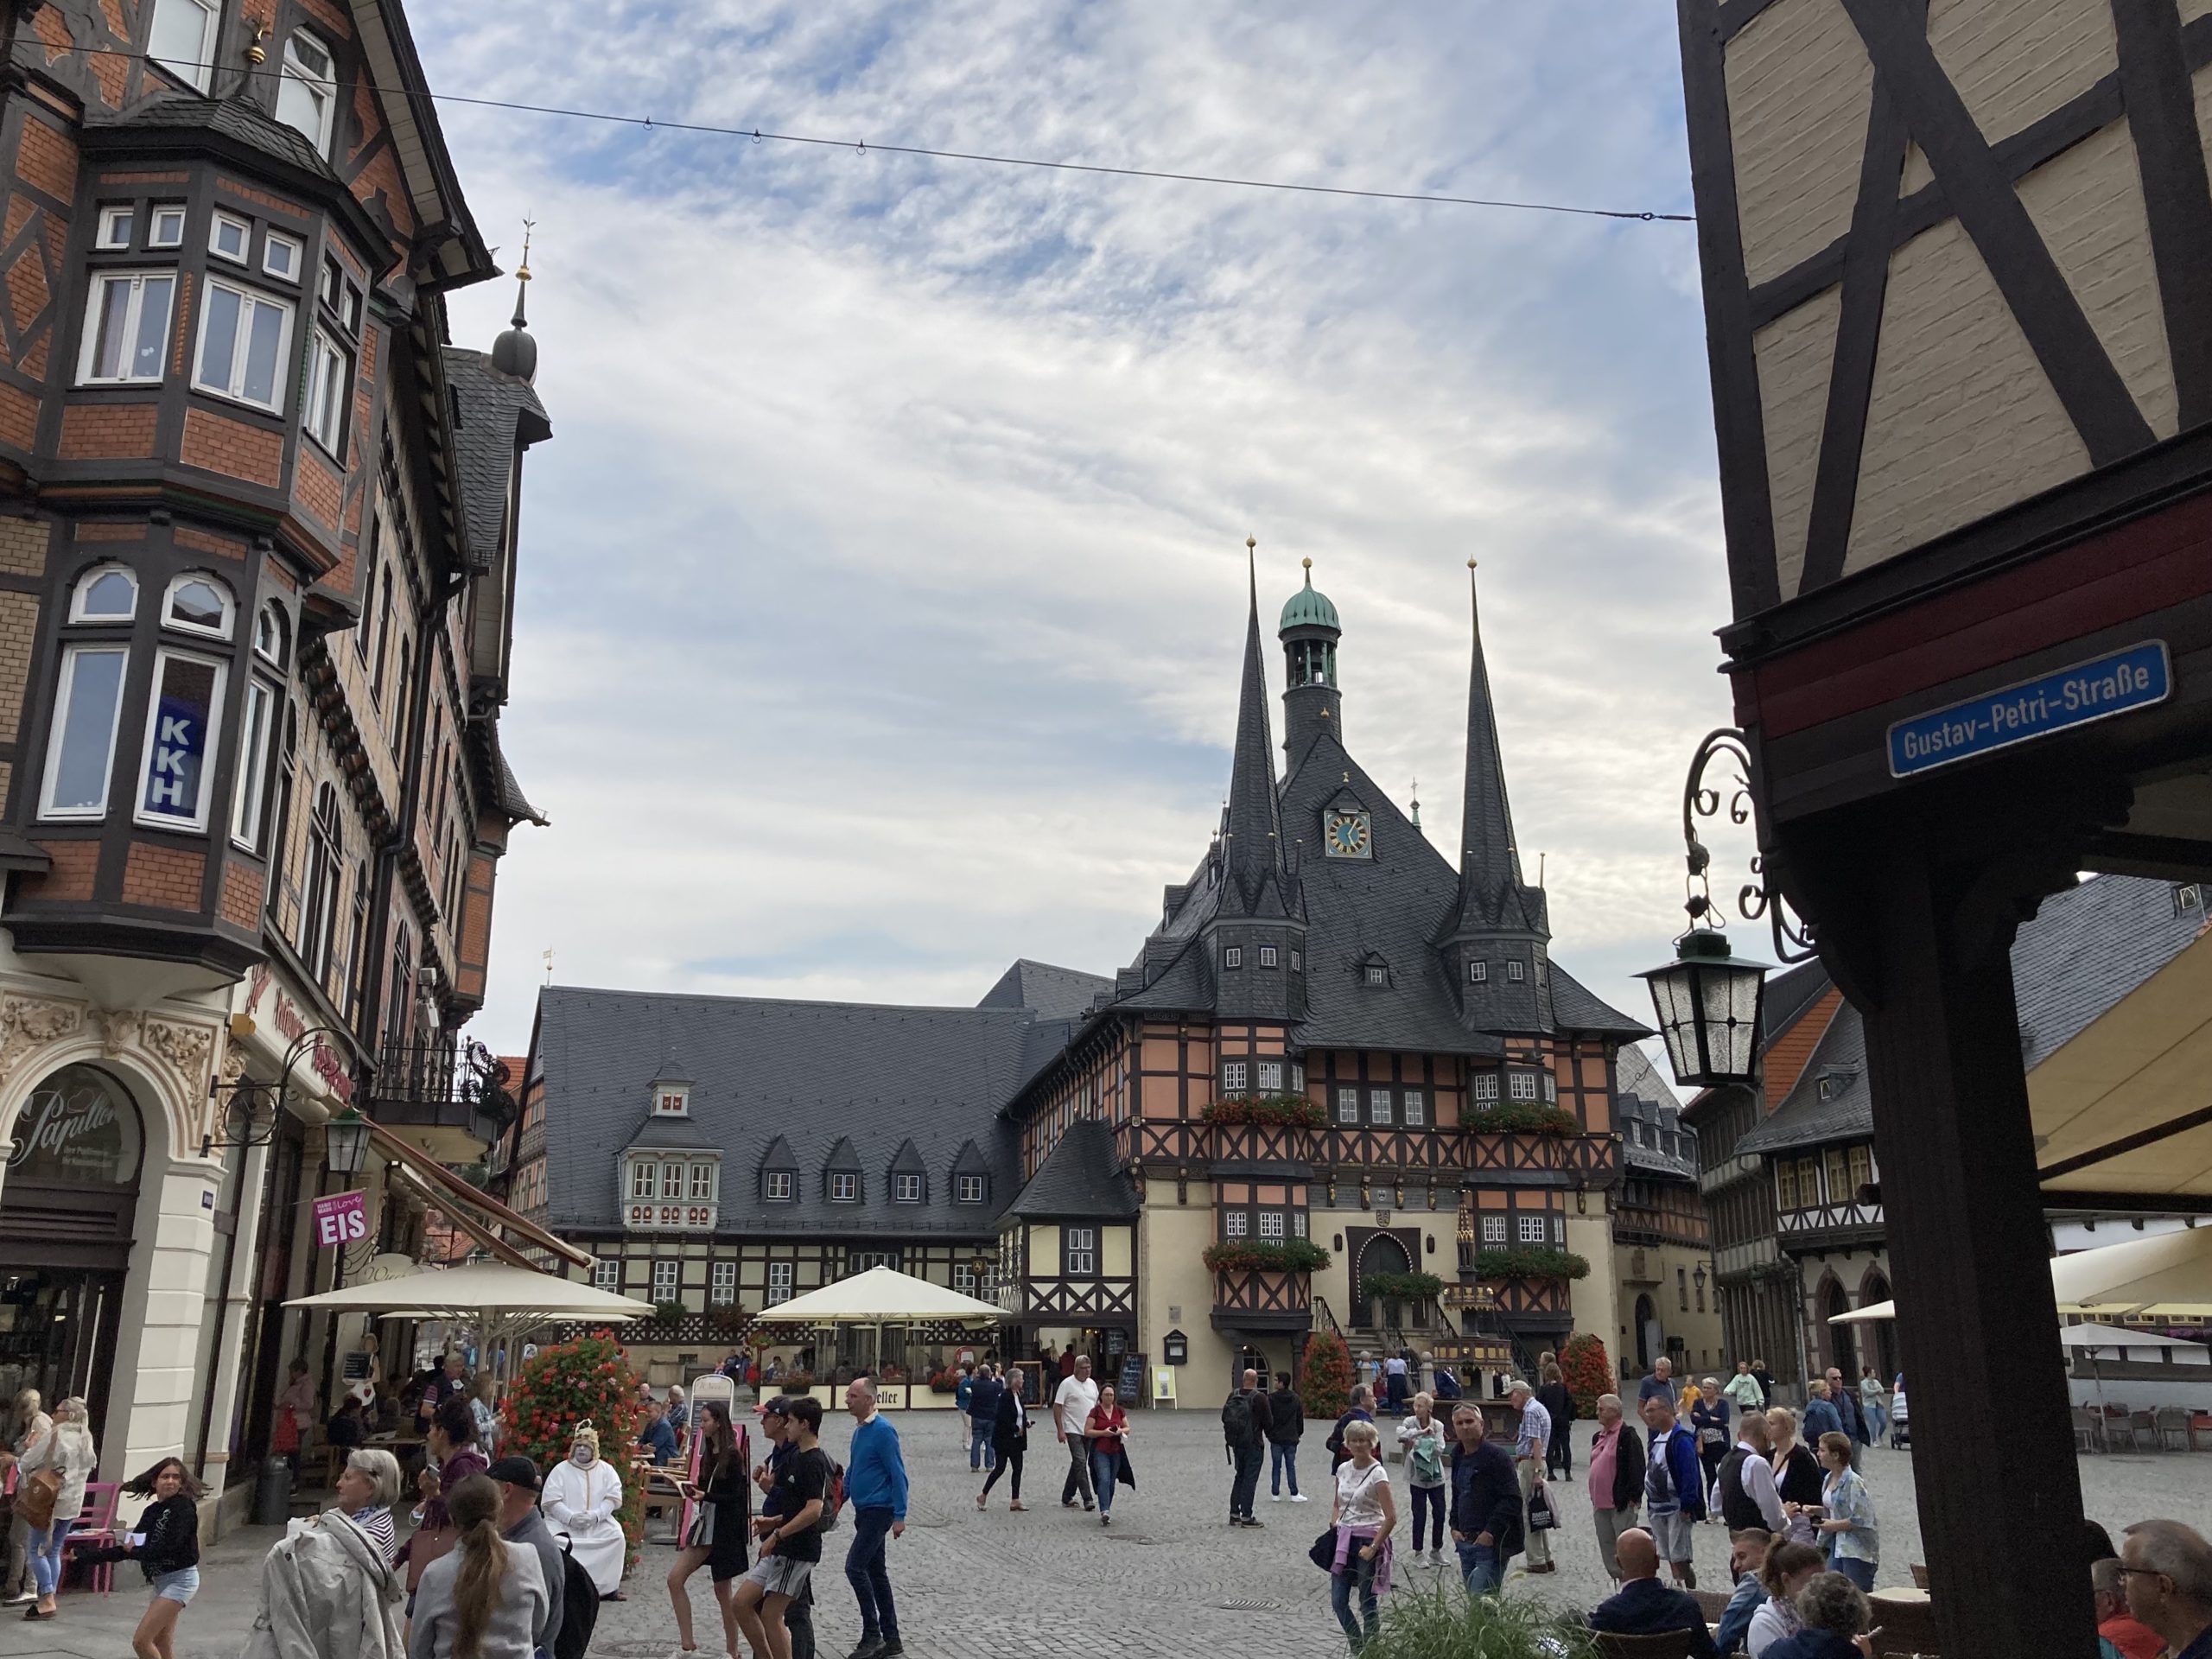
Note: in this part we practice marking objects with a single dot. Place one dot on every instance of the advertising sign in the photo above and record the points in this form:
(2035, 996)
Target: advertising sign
(342, 1218)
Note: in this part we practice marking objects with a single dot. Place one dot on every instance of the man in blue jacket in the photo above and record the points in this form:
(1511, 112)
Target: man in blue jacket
(1486, 1502)
(875, 1486)
(983, 1414)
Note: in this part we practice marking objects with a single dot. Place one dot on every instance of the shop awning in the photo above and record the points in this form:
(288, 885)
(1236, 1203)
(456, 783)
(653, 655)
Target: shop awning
(880, 1296)
(480, 1289)
(450, 1186)
(2167, 1275)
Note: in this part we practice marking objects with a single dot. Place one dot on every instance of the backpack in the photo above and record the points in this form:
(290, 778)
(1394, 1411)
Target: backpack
(579, 1609)
(1238, 1426)
(833, 1499)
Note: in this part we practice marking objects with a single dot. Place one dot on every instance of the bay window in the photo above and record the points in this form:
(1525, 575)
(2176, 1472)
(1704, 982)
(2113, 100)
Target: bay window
(126, 327)
(244, 338)
(251, 792)
(641, 1180)
(81, 754)
(324, 414)
(179, 760)
(672, 1180)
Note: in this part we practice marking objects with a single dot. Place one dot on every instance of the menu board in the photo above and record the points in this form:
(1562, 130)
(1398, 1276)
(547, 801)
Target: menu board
(1131, 1388)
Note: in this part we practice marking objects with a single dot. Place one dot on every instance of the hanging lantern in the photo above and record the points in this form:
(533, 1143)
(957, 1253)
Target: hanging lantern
(1707, 1002)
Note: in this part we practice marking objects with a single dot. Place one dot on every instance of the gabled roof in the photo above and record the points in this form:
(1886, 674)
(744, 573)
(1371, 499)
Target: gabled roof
(972, 1161)
(779, 1155)
(672, 1131)
(907, 1161)
(1804, 1119)
(842, 1156)
(1053, 993)
(1078, 1180)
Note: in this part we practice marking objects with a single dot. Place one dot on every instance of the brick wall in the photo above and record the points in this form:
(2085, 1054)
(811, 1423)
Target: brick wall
(163, 876)
(220, 445)
(92, 531)
(107, 431)
(209, 541)
(318, 488)
(46, 159)
(18, 638)
(18, 417)
(23, 547)
(70, 878)
(241, 900)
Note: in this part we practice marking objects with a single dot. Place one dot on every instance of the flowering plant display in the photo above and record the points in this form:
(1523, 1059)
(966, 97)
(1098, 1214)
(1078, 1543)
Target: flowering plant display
(588, 1380)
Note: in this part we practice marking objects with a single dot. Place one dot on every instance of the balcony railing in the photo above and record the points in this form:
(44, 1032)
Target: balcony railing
(439, 1086)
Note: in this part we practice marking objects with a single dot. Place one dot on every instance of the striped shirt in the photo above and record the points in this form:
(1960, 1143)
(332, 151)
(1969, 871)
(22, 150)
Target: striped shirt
(376, 1521)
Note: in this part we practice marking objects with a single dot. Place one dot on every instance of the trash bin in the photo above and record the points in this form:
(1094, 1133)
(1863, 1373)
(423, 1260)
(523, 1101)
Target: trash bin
(272, 1494)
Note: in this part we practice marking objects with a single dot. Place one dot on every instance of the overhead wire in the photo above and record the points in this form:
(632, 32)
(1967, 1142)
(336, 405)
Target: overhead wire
(862, 146)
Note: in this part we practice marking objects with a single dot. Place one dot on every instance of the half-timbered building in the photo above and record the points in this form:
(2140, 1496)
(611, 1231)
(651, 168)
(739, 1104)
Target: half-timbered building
(1663, 1246)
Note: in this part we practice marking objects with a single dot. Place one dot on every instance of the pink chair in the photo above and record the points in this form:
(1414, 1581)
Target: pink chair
(95, 1528)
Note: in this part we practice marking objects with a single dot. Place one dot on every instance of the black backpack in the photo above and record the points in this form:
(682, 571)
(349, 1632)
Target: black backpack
(579, 1609)
(1238, 1426)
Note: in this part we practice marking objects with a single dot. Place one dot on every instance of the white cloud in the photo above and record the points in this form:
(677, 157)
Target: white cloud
(882, 586)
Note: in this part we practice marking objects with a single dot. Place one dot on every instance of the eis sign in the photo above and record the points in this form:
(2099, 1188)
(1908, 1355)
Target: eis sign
(342, 1218)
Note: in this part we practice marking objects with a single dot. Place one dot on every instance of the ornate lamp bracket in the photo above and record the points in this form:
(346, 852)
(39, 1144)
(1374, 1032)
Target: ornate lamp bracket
(1792, 933)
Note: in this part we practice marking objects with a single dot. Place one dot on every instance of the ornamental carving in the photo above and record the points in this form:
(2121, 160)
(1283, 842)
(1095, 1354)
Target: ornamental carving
(190, 1049)
(118, 1029)
(30, 1022)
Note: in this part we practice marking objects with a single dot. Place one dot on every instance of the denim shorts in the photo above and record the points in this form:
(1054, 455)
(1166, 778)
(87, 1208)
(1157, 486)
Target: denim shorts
(180, 1586)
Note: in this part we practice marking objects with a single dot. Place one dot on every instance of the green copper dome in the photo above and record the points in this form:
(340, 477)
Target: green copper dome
(1308, 609)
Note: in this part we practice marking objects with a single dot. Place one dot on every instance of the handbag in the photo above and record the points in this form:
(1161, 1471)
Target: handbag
(1324, 1553)
(36, 1498)
(1541, 1517)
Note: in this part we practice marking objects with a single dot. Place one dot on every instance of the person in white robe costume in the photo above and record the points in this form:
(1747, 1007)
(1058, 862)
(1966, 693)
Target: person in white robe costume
(580, 1497)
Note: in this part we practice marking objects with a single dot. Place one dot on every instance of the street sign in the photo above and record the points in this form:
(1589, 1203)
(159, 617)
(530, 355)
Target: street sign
(342, 1218)
(2097, 689)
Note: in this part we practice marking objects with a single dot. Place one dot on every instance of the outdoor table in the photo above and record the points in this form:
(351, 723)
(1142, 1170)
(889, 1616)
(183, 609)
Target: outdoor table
(1903, 1594)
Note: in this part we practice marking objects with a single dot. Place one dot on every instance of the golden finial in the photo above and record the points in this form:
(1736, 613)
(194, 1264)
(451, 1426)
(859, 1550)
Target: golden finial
(1308, 564)
(522, 271)
(254, 53)
(1471, 565)
(1250, 541)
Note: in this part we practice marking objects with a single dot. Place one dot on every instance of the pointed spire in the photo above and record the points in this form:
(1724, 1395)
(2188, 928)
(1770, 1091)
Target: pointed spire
(1491, 886)
(1254, 851)
(515, 353)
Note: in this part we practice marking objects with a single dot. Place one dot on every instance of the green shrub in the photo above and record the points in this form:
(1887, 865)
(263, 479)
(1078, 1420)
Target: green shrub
(1402, 1286)
(1529, 1262)
(1269, 1256)
(1292, 1111)
(1522, 1117)
(1438, 1621)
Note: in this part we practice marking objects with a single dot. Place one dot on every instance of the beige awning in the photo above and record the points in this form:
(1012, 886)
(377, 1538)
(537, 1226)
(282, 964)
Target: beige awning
(480, 1288)
(2124, 1107)
(2165, 1276)
(444, 1181)
(880, 1296)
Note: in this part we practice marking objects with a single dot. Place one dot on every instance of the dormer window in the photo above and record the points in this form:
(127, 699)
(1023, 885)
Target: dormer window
(307, 90)
(968, 1189)
(844, 1188)
(1232, 955)
(1377, 974)
(906, 1188)
(1267, 956)
(1514, 971)
(1477, 973)
(778, 1186)
(671, 1099)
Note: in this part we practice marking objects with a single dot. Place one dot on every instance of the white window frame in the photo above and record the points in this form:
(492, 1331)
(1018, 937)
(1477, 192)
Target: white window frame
(271, 634)
(1380, 1107)
(1271, 1224)
(84, 587)
(672, 1180)
(220, 630)
(1485, 1086)
(1082, 1252)
(1267, 956)
(607, 1273)
(844, 1186)
(722, 1289)
(1377, 974)
(230, 388)
(1514, 971)
(1535, 1229)
(968, 1189)
(106, 238)
(1232, 955)
(906, 1187)
(1270, 1076)
(780, 1274)
(250, 795)
(1494, 1228)
(275, 239)
(702, 1183)
(1298, 1223)
(198, 70)
(1551, 1088)
(324, 82)
(197, 822)
(1347, 1105)
(322, 408)
(1417, 1109)
(169, 210)
(1521, 1085)
(1477, 971)
(1232, 1077)
(133, 317)
(1232, 1223)
(778, 1187)
(672, 1103)
(668, 1280)
(1297, 961)
(645, 1180)
(964, 1279)
(67, 689)
(1298, 1077)
(223, 221)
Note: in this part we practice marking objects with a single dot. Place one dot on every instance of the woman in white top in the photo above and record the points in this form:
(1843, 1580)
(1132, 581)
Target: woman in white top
(67, 1449)
(1364, 1514)
(1790, 1567)
(1422, 1442)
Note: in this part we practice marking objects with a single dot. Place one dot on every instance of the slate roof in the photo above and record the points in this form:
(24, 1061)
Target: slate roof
(494, 413)
(1078, 1180)
(1642, 1097)
(240, 119)
(1060, 994)
(2083, 951)
(811, 1074)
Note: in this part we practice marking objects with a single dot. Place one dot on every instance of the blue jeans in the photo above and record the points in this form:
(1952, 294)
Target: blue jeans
(1859, 1573)
(1282, 1462)
(46, 1557)
(870, 1578)
(1103, 1465)
(979, 1452)
(1480, 1567)
(1877, 1421)
(1357, 1575)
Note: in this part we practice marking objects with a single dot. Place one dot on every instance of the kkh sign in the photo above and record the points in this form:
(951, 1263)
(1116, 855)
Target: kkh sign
(342, 1218)
(2126, 680)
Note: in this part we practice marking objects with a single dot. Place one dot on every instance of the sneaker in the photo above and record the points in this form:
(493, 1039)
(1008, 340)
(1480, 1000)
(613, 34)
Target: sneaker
(870, 1648)
(1067, 1502)
(892, 1648)
(1274, 1497)
(18, 1600)
(1299, 1498)
(1088, 1507)
(1253, 1521)
(1106, 1519)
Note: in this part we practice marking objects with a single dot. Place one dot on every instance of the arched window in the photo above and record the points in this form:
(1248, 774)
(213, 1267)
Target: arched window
(198, 604)
(307, 90)
(270, 634)
(326, 855)
(106, 592)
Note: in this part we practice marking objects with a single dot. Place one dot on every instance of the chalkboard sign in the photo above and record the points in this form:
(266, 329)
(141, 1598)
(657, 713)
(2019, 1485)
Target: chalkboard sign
(1131, 1388)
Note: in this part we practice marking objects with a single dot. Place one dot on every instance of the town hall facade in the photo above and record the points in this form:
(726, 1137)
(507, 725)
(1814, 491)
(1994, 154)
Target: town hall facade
(1342, 1085)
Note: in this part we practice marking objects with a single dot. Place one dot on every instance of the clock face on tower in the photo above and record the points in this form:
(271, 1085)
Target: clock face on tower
(1346, 835)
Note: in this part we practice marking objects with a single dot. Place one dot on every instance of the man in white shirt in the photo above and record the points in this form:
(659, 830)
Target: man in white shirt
(1753, 1501)
(1529, 1440)
(1070, 1410)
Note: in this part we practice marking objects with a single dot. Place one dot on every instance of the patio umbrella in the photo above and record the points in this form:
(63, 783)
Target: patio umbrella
(2166, 1276)
(506, 1302)
(881, 1297)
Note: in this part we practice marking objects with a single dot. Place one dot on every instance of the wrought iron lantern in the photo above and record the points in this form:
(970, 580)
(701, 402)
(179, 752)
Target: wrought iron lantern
(1707, 1001)
(345, 1143)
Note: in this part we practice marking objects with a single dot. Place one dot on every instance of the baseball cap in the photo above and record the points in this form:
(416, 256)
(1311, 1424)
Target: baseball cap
(516, 1472)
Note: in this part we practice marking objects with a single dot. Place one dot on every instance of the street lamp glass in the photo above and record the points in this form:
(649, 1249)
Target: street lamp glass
(346, 1142)
(1707, 1003)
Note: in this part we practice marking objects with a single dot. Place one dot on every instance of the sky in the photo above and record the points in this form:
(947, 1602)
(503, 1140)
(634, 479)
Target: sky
(883, 584)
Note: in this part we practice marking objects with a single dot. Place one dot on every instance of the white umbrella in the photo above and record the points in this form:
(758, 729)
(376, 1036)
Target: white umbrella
(2166, 1276)
(882, 1295)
